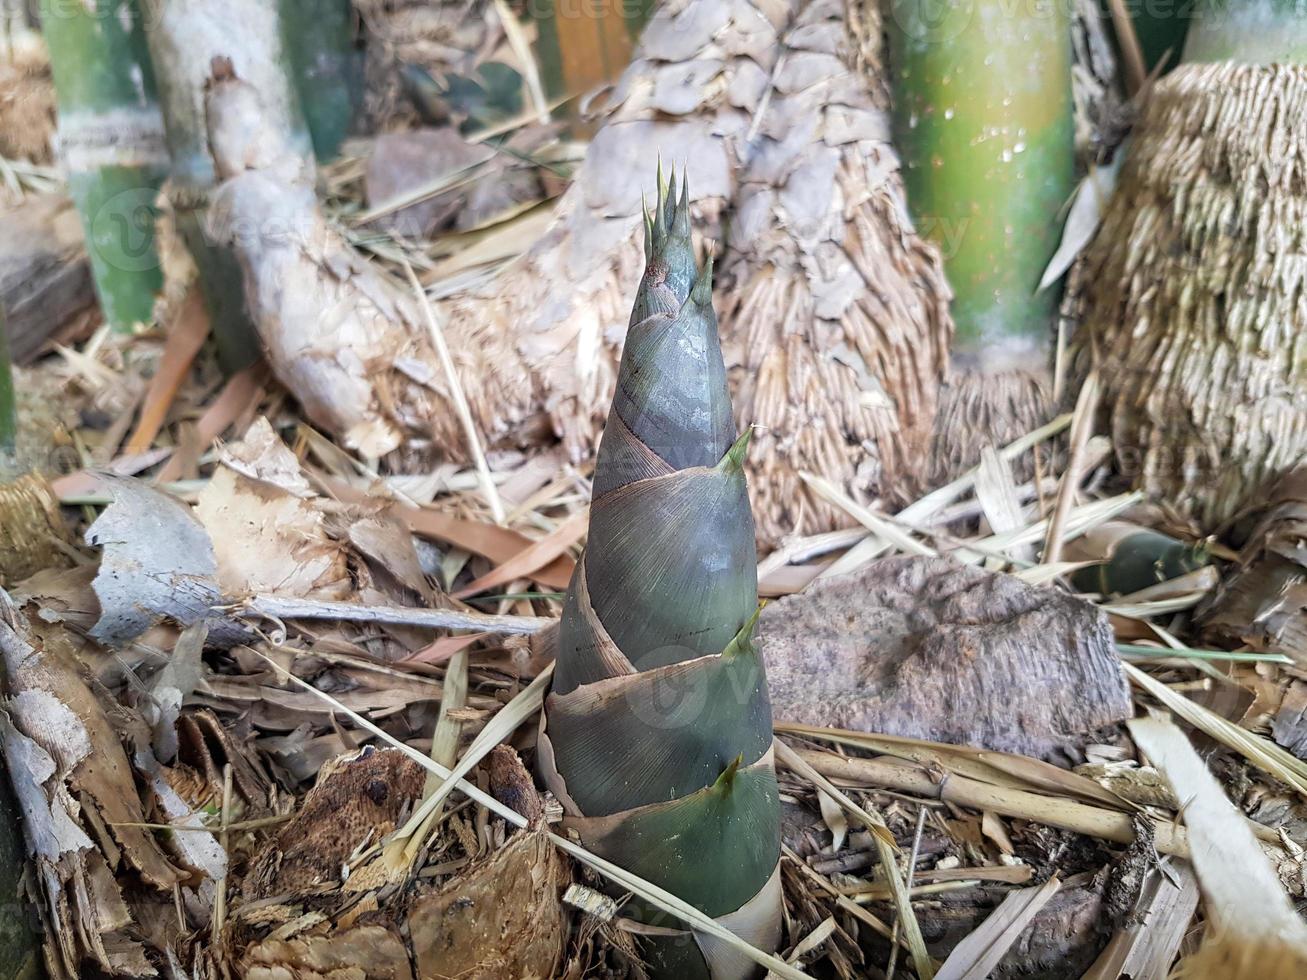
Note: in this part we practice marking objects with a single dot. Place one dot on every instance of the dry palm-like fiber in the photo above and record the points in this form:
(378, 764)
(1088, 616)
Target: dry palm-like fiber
(863, 318)
(1195, 311)
(836, 319)
(436, 37)
(26, 100)
(555, 321)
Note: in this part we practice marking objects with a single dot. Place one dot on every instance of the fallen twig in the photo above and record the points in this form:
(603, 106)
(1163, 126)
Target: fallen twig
(285, 607)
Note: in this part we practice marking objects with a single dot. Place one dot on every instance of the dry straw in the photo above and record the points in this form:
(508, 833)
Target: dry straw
(1194, 288)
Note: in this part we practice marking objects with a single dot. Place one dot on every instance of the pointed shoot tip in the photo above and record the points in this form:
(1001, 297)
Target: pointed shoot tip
(740, 643)
(733, 461)
(727, 779)
(701, 293)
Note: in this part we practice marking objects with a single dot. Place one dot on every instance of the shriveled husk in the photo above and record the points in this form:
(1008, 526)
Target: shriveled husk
(836, 314)
(656, 735)
(1193, 298)
(835, 333)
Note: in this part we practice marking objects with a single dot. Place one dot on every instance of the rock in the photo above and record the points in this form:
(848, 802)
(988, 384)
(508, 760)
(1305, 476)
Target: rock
(403, 162)
(927, 648)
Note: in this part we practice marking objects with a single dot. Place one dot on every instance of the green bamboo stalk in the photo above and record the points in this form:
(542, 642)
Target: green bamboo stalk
(1254, 32)
(983, 120)
(111, 144)
(1160, 29)
(657, 735)
(326, 65)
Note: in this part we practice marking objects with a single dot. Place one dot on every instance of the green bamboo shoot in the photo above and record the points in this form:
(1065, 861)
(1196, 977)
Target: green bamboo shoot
(111, 144)
(657, 733)
(983, 119)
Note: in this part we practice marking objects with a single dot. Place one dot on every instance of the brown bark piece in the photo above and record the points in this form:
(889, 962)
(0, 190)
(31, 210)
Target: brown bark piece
(930, 649)
(370, 952)
(45, 276)
(358, 799)
(502, 919)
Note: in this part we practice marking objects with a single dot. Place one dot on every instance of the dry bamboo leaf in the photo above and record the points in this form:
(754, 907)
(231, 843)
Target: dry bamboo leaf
(499, 544)
(186, 336)
(1240, 888)
(268, 534)
(158, 563)
(540, 553)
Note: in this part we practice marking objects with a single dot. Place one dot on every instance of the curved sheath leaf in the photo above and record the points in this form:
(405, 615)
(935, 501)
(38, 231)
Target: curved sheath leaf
(732, 827)
(657, 735)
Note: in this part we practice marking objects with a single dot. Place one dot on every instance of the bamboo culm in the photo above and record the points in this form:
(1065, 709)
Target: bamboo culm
(111, 145)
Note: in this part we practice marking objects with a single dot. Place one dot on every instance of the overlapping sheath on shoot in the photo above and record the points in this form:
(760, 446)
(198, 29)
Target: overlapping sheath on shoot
(656, 736)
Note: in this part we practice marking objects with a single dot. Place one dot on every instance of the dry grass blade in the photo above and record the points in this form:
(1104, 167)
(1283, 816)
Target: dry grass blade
(638, 886)
(876, 524)
(922, 511)
(843, 901)
(1264, 754)
(1241, 890)
(979, 953)
(537, 555)
(1046, 572)
(444, 750)
(503, 724)
(1078, 521)
(935, 501)
(457, 396)
(1082, 427)
(812, 940)
(886, 848)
